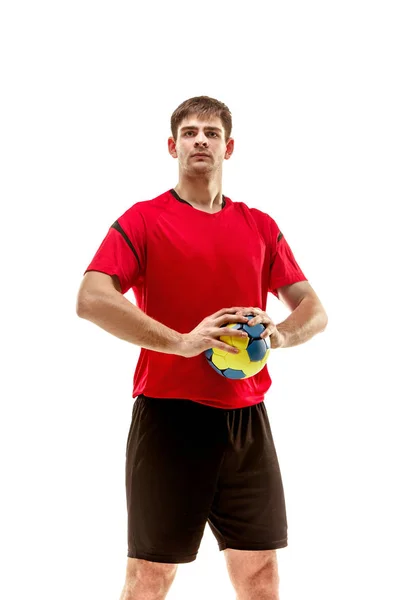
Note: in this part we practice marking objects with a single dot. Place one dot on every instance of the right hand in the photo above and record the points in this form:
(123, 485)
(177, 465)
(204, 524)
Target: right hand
(207, 333)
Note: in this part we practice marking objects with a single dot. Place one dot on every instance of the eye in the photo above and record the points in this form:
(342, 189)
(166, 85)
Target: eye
(213, 133)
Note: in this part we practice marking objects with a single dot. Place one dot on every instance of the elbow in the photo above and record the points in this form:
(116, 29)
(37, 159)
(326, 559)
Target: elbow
(82, 305)
(324, 320)
(80, 309)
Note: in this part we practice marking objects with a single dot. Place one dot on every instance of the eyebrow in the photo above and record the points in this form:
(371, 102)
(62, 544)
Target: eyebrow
(207, 127)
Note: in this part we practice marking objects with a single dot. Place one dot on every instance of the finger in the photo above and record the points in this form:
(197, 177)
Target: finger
(259, 319)
(224, 311)
(232, 332)
(227, 318)
(268, 331)
(250, 310)
(226, 347)
(254, 321)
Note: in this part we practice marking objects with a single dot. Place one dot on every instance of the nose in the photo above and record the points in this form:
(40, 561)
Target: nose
(200, 139)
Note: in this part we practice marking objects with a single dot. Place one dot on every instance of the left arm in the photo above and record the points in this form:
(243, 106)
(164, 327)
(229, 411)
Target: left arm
(307, 317)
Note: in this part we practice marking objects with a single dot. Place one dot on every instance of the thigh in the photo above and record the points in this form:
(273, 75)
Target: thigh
(174, 453)
(248, 511)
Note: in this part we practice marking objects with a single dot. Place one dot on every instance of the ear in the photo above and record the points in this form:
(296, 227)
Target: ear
(230, 145)
(172, 147)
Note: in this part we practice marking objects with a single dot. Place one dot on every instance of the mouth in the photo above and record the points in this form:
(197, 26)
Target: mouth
(200, 156)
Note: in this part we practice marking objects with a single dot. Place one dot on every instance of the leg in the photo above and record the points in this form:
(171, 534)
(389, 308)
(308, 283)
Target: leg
(174, 451)
(254, 574)
(248, 514)
(146, 580)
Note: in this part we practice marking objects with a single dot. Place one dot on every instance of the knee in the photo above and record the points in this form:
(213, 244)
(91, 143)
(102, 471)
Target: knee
(262, 582)
(146, 579)
(265, 583)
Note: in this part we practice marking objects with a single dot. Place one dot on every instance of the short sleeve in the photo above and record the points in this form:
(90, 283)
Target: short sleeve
(284, 270)
(123, 250)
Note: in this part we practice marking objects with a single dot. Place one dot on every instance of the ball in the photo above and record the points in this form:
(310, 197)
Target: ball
(253, 355)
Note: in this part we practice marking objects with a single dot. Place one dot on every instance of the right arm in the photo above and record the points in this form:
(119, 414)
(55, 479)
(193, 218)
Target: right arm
(100, 301)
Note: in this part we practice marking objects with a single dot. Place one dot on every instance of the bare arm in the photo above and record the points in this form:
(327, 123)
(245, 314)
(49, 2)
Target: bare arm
(101, 302)
(308, 316)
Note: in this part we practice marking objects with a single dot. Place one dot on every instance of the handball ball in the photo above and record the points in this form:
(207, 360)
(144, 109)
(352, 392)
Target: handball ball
(253, 355)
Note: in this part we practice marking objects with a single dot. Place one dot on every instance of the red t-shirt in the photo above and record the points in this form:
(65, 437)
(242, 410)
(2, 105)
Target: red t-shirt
(184, 264)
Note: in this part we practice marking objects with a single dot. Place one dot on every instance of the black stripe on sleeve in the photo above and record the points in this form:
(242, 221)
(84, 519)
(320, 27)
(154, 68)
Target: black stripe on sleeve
(280, 236)
(118, 227)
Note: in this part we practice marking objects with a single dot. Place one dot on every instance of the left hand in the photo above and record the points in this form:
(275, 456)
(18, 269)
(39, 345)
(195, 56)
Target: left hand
(276, 337)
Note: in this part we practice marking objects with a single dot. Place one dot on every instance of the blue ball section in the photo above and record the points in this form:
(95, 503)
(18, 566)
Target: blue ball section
(257, 349)
(255, 331)
(215, 368)
(232, 373)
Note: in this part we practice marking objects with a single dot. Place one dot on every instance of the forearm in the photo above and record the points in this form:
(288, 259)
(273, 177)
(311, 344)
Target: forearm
(118, 316)
(307, 319)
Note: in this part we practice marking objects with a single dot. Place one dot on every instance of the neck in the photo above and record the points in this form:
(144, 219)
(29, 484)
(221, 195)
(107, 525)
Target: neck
(203, 194)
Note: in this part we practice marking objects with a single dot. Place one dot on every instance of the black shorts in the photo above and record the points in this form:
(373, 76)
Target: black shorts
(186, 464)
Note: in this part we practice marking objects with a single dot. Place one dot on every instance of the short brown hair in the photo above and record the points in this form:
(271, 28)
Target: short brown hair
(202, 106)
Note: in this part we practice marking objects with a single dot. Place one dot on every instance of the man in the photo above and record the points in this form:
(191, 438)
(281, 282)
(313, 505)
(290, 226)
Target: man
(199, 447)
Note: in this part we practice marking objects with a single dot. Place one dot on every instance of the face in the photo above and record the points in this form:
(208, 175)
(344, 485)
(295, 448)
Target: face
(203, 137)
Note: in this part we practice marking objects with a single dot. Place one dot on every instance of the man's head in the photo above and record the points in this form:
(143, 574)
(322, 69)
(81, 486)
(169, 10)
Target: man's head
(201, 125)
(205, 108)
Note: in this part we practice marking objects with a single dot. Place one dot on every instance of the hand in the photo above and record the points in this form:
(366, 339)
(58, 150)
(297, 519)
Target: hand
(276, 337)
(207, 333)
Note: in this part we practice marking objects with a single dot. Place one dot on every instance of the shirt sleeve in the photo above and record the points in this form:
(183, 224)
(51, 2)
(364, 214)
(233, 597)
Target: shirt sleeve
(284, 270)
(123, 250)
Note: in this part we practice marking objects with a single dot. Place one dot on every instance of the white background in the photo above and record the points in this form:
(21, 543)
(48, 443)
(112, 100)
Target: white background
(88, 89)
